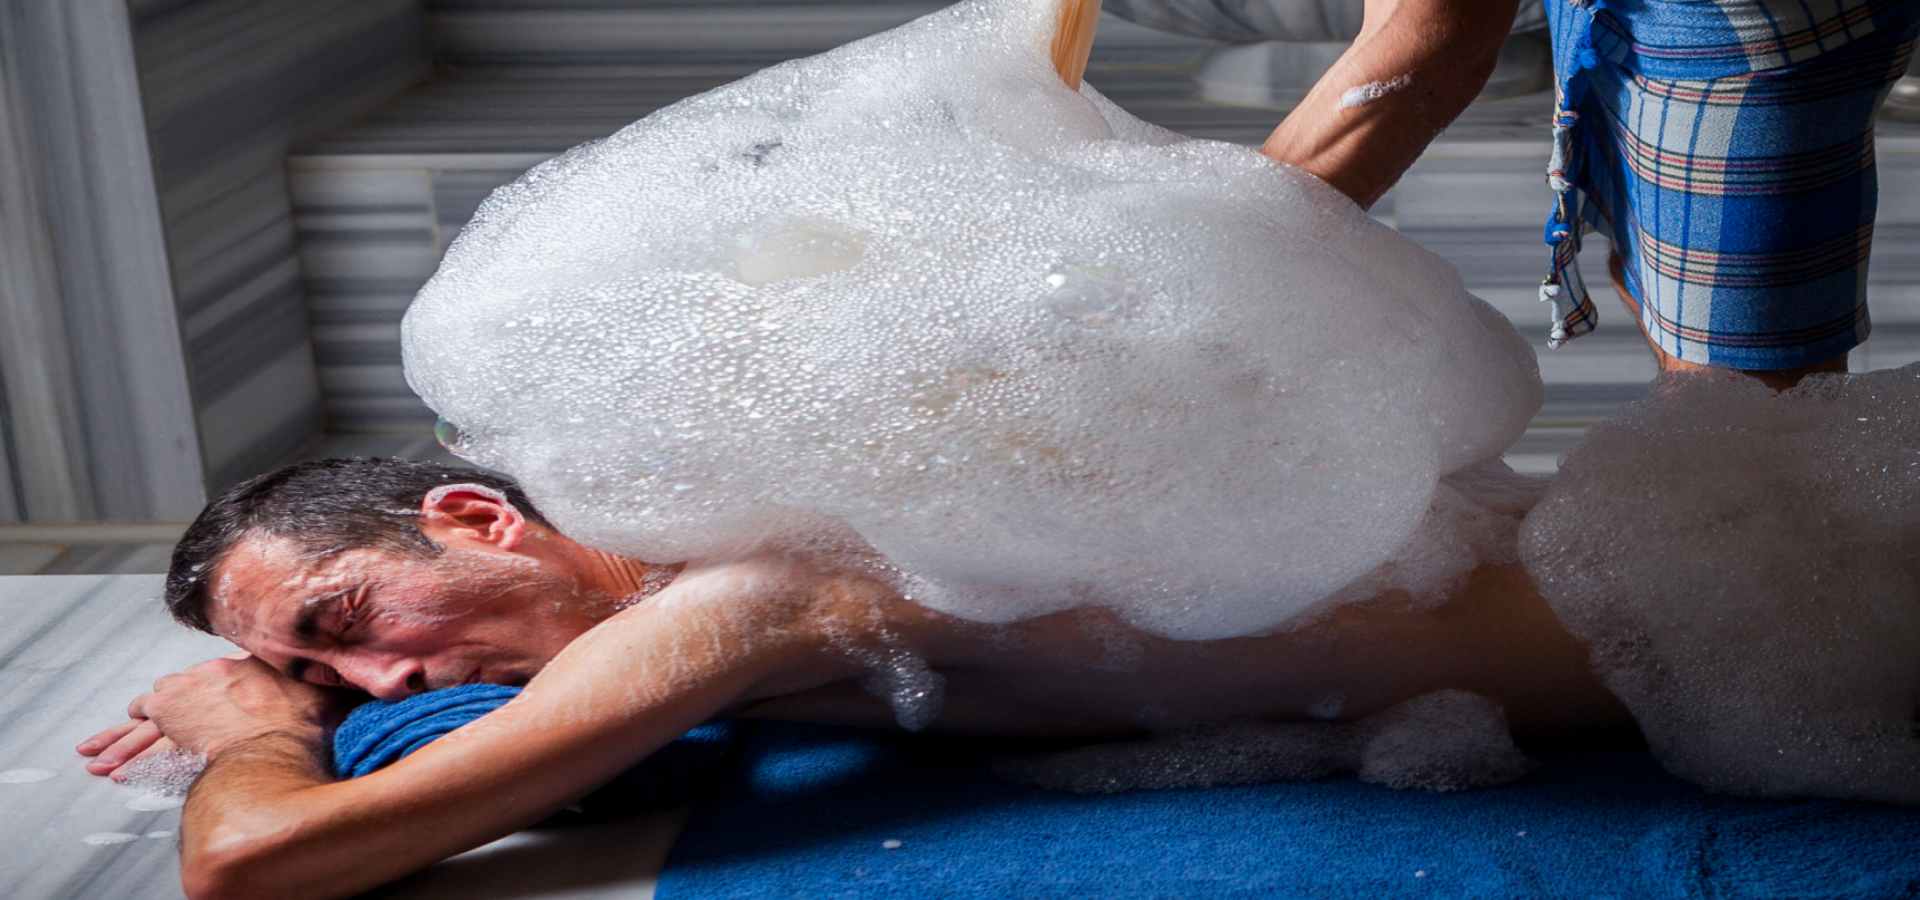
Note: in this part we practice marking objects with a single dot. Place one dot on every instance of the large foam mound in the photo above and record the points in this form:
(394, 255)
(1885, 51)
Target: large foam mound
(1034, 351)
(1745, 568)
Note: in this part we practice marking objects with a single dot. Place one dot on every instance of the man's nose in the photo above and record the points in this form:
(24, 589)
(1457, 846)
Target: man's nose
(390, 679)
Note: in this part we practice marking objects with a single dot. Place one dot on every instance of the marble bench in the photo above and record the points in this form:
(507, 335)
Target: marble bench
(74, 649)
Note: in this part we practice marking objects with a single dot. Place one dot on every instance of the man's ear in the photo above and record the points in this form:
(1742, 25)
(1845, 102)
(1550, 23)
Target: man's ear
(474, 511)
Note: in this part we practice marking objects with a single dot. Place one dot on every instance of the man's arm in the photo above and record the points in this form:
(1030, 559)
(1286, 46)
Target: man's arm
(266, 819)
(1444, 49)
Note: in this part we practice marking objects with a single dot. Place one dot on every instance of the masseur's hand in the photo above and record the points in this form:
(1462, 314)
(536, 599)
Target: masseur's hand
(1427, 59)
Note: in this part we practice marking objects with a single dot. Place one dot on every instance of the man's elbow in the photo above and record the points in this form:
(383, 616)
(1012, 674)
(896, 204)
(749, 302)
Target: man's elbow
(235, 862)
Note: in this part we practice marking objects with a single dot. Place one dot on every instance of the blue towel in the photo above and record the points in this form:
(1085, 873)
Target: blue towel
(377, 734)
(806, 811)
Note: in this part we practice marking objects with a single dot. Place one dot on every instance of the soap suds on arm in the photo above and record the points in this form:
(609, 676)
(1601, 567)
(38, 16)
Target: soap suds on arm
(1373, 90)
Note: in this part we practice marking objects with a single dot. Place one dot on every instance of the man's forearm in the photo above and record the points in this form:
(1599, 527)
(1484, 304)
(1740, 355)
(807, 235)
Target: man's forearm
(240, 799)
(1426, 59)
(266, 819)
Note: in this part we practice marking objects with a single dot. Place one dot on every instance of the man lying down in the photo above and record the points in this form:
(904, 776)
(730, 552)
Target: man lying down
(326, 573)
(395, 577)
(949, 397)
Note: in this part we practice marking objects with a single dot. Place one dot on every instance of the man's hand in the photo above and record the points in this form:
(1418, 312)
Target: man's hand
(215, 705)
(120, 745)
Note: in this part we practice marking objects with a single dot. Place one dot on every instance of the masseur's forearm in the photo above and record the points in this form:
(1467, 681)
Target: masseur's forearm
(1445, 49)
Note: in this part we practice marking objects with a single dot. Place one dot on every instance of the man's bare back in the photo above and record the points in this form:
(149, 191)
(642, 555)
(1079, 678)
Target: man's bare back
(1085, 673)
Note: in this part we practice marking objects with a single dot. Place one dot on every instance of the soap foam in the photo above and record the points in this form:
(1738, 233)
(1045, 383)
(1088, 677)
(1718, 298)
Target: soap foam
(1373, 90)
(167, 774)
(1036, 352)
(1444, 741)
(1745, 568)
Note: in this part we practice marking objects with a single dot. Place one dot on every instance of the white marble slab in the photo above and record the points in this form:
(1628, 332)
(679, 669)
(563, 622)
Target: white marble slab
(75, 649)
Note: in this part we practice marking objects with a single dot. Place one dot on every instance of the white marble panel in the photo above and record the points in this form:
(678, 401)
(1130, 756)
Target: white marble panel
(546, 34)
(25, 558)
(97, 370)
(229, 86)
(272, 413)
(1474, 192)
(73, 651)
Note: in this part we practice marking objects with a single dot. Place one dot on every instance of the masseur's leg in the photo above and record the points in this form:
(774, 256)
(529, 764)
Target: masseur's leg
(1778, 379)
(1741, 208)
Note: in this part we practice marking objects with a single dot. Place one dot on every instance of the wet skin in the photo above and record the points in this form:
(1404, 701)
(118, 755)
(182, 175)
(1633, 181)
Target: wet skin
(768, 636)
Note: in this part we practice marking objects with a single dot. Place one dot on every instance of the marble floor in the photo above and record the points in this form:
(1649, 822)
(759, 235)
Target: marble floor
(75, 649)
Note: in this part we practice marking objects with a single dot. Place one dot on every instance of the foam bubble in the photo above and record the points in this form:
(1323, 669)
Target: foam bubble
(1448, 740)
(1036, 352)
(1444, 741)
(164, 775)
(1373, 90)
(1745, 568)
(25, 776)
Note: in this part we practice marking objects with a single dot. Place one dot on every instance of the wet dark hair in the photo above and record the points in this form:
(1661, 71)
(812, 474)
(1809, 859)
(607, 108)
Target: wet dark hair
(325, 507)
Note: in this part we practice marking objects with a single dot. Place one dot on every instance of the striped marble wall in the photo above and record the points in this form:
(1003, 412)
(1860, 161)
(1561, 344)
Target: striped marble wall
(228, 87)
(96, 417)
(649, 36)
(372, 228)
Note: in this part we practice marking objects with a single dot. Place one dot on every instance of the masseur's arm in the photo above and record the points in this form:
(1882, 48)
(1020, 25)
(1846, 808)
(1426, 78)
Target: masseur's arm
(266, 819)
(1445, 48)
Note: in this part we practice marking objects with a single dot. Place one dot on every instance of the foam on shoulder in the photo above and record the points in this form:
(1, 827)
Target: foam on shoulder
(1035, 352)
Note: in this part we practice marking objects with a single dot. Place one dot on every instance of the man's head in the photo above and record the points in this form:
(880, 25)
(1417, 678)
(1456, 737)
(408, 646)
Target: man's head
(389, 575)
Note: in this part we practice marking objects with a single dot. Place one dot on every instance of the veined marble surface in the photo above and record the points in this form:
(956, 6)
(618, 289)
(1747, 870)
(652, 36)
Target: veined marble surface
(75, 649)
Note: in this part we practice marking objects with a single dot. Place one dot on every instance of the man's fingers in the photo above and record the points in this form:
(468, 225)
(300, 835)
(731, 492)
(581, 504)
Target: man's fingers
(160, 746)
(123, 751)
(93, 745)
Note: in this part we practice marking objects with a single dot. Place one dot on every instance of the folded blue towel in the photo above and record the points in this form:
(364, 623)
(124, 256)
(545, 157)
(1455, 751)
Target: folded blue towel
(377, 734)
(809, 811)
